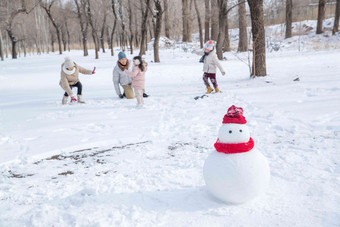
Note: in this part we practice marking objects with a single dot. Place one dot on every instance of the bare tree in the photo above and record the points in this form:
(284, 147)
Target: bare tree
(242, 22)
(93, 28)
(81, 14)
(321, 16)
(199, 23)
(207, 20)
(47, 7)
(259, 42)
(289, 18)
(1, 48)
(113, 6)
(214, 19)
(145, 5)
(158, 28)
(102, 32)
(131, 12)
(336, 19)
(9, 25)
(222, 5)
(186, 18)
(166, 19)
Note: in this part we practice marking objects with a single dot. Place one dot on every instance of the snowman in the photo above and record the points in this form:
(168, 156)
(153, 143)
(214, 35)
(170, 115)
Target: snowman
(235, 172)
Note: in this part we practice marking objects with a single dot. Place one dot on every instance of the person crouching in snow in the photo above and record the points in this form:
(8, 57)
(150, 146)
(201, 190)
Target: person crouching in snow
(209, 68)
(138, 78)
(120, 77)
(69, 79)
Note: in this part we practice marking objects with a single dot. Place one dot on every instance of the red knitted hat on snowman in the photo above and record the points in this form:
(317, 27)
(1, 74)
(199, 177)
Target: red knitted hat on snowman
(234, 116)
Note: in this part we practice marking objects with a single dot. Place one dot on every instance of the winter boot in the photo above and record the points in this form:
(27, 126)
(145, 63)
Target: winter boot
(80, 100)
(217, 90)
(209, 90)
(64, 101)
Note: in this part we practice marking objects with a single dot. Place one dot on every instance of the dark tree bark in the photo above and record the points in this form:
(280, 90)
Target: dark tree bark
(93, 28)
(186, 21)
(214, 19)
(166, 19)
(321, 16)
(145, 4)
(113, 6)
(68, 37)
(123, 33)
(207, 21)
(158, 28)
(259, 42)
(226, 35)
(289, 18)
(81, 14)
(102, 32)
(1, 48)
(222, 5)
(199, 23)
(242, 22)
(47, 8)
(337, 16)
(130, 26)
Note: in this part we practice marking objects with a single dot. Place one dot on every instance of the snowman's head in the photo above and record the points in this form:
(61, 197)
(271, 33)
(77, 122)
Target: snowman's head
(234, 133)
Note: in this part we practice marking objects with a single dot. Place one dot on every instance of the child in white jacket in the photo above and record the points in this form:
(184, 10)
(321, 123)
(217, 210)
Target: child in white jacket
(209, 67)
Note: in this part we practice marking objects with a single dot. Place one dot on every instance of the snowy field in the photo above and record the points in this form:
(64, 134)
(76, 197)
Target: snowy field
(108, 163)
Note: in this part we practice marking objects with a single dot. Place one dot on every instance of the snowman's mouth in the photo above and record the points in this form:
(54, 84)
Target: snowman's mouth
(233, 148)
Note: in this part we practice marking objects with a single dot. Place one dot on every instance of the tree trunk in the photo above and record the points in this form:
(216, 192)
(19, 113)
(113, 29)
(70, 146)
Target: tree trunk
(321, 16)
(55, 25)
(166, 19)
(289, 18)
(102, 33)
(130, 27)
(336, 19)
(1, 48)
(186, 21)
(214, 20)
(68, 37)
(226, 36)
(222, 5)
(114, 26)
(158, 29)
(242, 22)
(94, 30)
(207, 21)
(259, 42)
(81, 13)
(14, 42)
(145, 11)
(199, 23)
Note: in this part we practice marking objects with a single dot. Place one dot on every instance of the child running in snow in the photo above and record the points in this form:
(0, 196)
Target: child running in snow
(70, 79)
(209, 68)
(138, 78)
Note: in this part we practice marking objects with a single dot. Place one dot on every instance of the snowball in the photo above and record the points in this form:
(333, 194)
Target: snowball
(234, 133)
(236, 178)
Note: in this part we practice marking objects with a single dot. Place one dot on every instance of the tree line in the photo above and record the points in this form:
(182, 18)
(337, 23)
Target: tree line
(39, 26)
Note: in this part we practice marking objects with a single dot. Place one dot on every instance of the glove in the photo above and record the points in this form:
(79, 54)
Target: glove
(223, 74)
(73, 99)
(94, 69)
(121, 96)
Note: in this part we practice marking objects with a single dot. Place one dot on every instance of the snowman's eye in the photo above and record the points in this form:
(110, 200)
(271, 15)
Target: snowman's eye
(240, 130)
(230, 131)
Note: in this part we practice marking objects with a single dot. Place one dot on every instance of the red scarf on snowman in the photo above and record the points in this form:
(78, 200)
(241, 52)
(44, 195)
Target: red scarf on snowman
(234, 116)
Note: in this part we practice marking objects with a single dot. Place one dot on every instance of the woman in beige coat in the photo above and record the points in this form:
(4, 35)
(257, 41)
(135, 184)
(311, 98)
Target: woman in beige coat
(69, 79)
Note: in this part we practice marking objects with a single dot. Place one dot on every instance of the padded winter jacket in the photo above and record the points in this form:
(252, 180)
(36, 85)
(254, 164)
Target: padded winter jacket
(67, 80)
(138, 77)
(120, 78)
(211, 62)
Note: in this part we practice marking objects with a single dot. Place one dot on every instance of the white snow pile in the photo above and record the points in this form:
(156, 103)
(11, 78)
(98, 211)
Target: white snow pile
(108, 163)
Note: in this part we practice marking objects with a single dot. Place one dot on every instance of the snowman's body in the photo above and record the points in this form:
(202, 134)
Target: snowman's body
(236, 177)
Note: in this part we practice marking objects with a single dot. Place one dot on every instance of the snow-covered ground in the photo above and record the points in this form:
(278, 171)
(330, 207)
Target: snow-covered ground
(108, 163)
